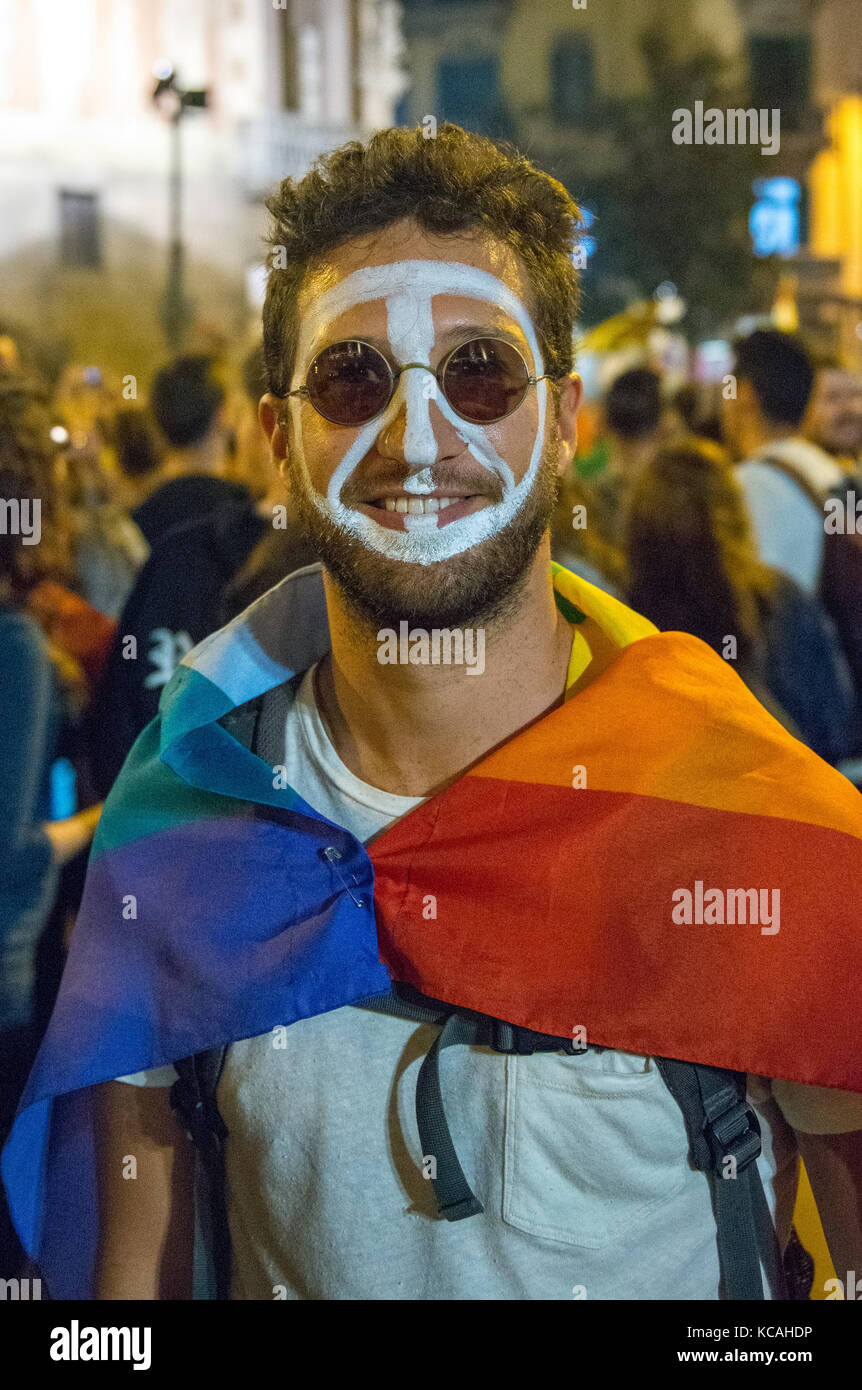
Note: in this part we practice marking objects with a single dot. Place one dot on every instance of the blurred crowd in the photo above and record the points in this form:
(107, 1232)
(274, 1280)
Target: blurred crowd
(131, 530)
(706, 509)
(730, 512)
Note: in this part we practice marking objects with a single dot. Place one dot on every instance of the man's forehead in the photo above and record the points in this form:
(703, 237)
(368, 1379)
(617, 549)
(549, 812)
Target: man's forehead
(406, 241)
(410, 288)
(326, 295)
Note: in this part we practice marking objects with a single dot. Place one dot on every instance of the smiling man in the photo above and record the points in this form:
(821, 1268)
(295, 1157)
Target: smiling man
(490, 862)
(427, 491)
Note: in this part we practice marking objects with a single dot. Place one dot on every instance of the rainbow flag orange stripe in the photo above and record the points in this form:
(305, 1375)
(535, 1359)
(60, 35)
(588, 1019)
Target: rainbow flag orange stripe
(548, 886)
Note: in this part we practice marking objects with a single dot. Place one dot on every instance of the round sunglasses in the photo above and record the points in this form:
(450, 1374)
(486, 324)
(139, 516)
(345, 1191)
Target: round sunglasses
(351, 382)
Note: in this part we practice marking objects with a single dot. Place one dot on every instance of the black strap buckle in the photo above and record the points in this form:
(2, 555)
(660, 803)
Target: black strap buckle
(203, 1125)
(735, 1133)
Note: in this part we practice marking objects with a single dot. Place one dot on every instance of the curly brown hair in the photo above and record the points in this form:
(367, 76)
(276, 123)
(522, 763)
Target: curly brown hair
(27, 464)
(451, 183)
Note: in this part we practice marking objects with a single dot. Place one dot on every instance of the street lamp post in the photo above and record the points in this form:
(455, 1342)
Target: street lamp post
(176, 311)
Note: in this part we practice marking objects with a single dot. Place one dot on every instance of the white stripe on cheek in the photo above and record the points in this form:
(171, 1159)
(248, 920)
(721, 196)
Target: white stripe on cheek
(355, 454)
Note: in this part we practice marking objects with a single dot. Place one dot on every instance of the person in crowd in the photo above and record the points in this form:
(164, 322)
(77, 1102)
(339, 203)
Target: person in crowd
(634, 426)
(187, 402)
(833, 420)
(307, 827)
(693, 567)
(250, 463)
(39, 689)
(779, 468)
(693, 410)
(138, 451)
(85, 401)
(111, 547)
(588, 527)
(176, 599)
(284, 546)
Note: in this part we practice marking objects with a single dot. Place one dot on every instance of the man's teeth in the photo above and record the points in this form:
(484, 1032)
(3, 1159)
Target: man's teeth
(418, 506)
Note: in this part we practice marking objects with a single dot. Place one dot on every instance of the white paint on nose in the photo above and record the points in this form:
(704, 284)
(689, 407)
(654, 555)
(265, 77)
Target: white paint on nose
(411, 332)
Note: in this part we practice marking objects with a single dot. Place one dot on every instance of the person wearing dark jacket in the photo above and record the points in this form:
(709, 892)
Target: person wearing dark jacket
(187, 403)
(175, 604)
(200, 528)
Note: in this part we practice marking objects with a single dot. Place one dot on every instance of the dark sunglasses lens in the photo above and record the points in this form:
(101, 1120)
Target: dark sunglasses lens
(485, 379)
(349, 383)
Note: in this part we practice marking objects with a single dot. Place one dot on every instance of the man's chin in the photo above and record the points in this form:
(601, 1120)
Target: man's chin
(470, 589)
(474, 588)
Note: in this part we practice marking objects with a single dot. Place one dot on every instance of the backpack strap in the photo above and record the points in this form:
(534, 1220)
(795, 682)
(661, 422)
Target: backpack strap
(724, 1142)
(193, 1097)
(795, 476)
(720, 1126)
(455, 1198)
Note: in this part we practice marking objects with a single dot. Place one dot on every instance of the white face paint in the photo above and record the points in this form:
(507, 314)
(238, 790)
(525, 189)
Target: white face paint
(408, 287)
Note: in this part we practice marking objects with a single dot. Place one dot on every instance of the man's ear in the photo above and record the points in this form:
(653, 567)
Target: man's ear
(269, 415)
(571, 391)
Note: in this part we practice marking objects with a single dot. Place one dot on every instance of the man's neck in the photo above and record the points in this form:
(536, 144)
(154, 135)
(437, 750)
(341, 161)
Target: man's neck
(413, 729)
(206, 458)
(763, 435)
(628, 457)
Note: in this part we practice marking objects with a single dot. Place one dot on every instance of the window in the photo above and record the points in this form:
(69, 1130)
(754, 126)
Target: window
(402, 110)
(289, 65)
(780, 69)
(468, 92)
(80, 240)
(573, 80)
(310, 69)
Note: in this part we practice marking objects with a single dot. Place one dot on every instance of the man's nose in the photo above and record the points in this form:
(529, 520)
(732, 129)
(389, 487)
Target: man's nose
(419, 434)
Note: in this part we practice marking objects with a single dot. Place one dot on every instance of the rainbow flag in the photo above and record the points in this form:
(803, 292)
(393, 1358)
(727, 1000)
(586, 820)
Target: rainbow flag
(655, 866)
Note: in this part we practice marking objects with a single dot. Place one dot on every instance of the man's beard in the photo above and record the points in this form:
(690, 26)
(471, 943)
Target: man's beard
(477, 586)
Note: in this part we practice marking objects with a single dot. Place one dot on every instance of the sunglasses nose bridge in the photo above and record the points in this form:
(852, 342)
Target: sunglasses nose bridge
(415, 366)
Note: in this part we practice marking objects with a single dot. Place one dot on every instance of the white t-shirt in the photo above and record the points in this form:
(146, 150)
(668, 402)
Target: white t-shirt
(787, 526)
(580, 1162)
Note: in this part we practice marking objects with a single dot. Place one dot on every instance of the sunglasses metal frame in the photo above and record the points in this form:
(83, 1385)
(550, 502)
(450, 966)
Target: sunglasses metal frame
(438, 373)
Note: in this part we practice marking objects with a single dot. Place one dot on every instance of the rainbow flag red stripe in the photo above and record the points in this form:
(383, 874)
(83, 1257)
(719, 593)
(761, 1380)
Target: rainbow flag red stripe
(548, 886)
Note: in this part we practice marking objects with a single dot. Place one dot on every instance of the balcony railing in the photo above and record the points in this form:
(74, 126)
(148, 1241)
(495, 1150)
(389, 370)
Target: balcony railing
(283, 145)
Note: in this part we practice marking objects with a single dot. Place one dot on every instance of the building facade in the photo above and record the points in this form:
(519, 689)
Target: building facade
(85, 153)
(542, 74)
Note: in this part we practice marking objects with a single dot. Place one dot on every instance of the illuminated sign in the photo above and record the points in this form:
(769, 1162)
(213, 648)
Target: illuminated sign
(585, 245)
(774, 218)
